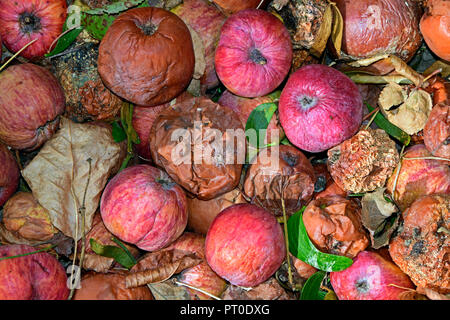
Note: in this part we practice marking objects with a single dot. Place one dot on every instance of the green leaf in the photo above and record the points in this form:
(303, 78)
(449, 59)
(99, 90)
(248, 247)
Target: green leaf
(115, 7)
(259, 120)
(67, 39)
(118, 133)
(301, 247)
(97, 26)
(311, 288)
(118, 254)
(390, 129)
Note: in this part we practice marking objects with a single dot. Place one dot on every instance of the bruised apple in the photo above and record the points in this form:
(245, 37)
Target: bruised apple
(162, 61)
(370, 277)
(319, 108)
(22, 21)
(31, 101)
(143, 206)
(9, 174)
(254, 53)
(38, 276)
(245, 245)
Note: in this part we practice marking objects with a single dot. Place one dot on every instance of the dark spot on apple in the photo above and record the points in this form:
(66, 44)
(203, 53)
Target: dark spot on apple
(166, 183)
(29, 22)
(256, 56)
(307, 102)
(290, 159)
(148, 28)
(362, 286)
(418, 248)
(447, 141)
(320, 184)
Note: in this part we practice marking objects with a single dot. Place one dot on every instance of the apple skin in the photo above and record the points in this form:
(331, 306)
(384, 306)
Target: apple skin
(245, 245)
(233, 6)
(31, 101)
(24, 20)
(369, 278)
(38, 276)
(9, 174)
(206, 20)
(319, 108)
(254, 53)
(143, 206)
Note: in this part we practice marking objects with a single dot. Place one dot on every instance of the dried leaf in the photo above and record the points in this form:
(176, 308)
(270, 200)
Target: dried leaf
(160, 266)
(439, 64)
(369, 79)
(407, 110)
(199, 52)
(337, 30)
(59, 173)
(324, 33)
(268, 290)
(168, 290)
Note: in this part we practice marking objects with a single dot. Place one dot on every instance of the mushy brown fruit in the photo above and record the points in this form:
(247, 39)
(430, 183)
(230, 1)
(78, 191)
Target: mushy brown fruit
(422, 247)
(333, 224)
(147, 56)
(291, 177)
(201, 145)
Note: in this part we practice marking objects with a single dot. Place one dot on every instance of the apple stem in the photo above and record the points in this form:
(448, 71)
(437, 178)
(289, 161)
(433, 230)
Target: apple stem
(397, 174)
(17, 53)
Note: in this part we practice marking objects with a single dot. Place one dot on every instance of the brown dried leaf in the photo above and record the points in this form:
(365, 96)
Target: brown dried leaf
(160, 266)
(415, 107)
(58, 174)
(168, 290)
(337, 30)
(199, 52)
(320, 42)
(439, 64)
(268, 290)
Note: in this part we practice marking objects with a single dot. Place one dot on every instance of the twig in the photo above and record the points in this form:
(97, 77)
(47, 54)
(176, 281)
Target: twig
(286, 239)
(196, 289)
(427, 158)
(397, 173)
(435, 72)
(16, 54)
(18, 160)
(371, 119)
(371, 112)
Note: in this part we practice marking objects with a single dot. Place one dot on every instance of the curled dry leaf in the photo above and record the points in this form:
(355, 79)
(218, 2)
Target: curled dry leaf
(407, 110)
(268, 290)
(160, 266)
(200, 62)
(375, 214)
(59, 173)
(168, 290)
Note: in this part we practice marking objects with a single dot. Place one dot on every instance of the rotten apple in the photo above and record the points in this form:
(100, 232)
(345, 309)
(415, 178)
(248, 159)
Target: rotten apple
(9, 174)
(370, 277)
(22, 21)
(143, 206)
(245, 245)
(31, 101)
(254, 53)
(319, 108)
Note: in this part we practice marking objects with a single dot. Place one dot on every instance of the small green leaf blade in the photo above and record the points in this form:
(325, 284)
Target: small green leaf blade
(118, 132)
(301, 247)
(115, 7)
(259, 119)
(118, 254)
(390, 129)
(311, 288)
(65, 41)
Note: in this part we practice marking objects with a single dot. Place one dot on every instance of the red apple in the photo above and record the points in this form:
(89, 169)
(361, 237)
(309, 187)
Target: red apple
(319, 108)
(22, 21)
(206, 20)
(9, 174)
(254, 53)
(38, 276)
(370, 277)
(245, 245)
(143, 206)
(31, 101)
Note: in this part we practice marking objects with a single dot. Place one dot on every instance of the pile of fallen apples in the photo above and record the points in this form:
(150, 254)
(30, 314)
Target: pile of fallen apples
(130, 167)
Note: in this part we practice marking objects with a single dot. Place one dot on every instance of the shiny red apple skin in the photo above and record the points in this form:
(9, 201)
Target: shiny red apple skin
(245, 245)
(143, 206)
(31, 101)
(22, 21)
(9, 174)
(38, 276)
(319, 108)
(370, 277)
(254, 53)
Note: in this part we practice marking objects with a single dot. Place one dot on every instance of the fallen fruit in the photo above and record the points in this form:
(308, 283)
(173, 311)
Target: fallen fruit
(9, 174)
(143, 206)
(251, 249)
(435, 26)
(319, 108)
(254, 53)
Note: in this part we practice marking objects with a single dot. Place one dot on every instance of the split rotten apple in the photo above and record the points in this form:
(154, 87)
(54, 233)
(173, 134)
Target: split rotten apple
(319, 108)
(22, 21)
(254, 53)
